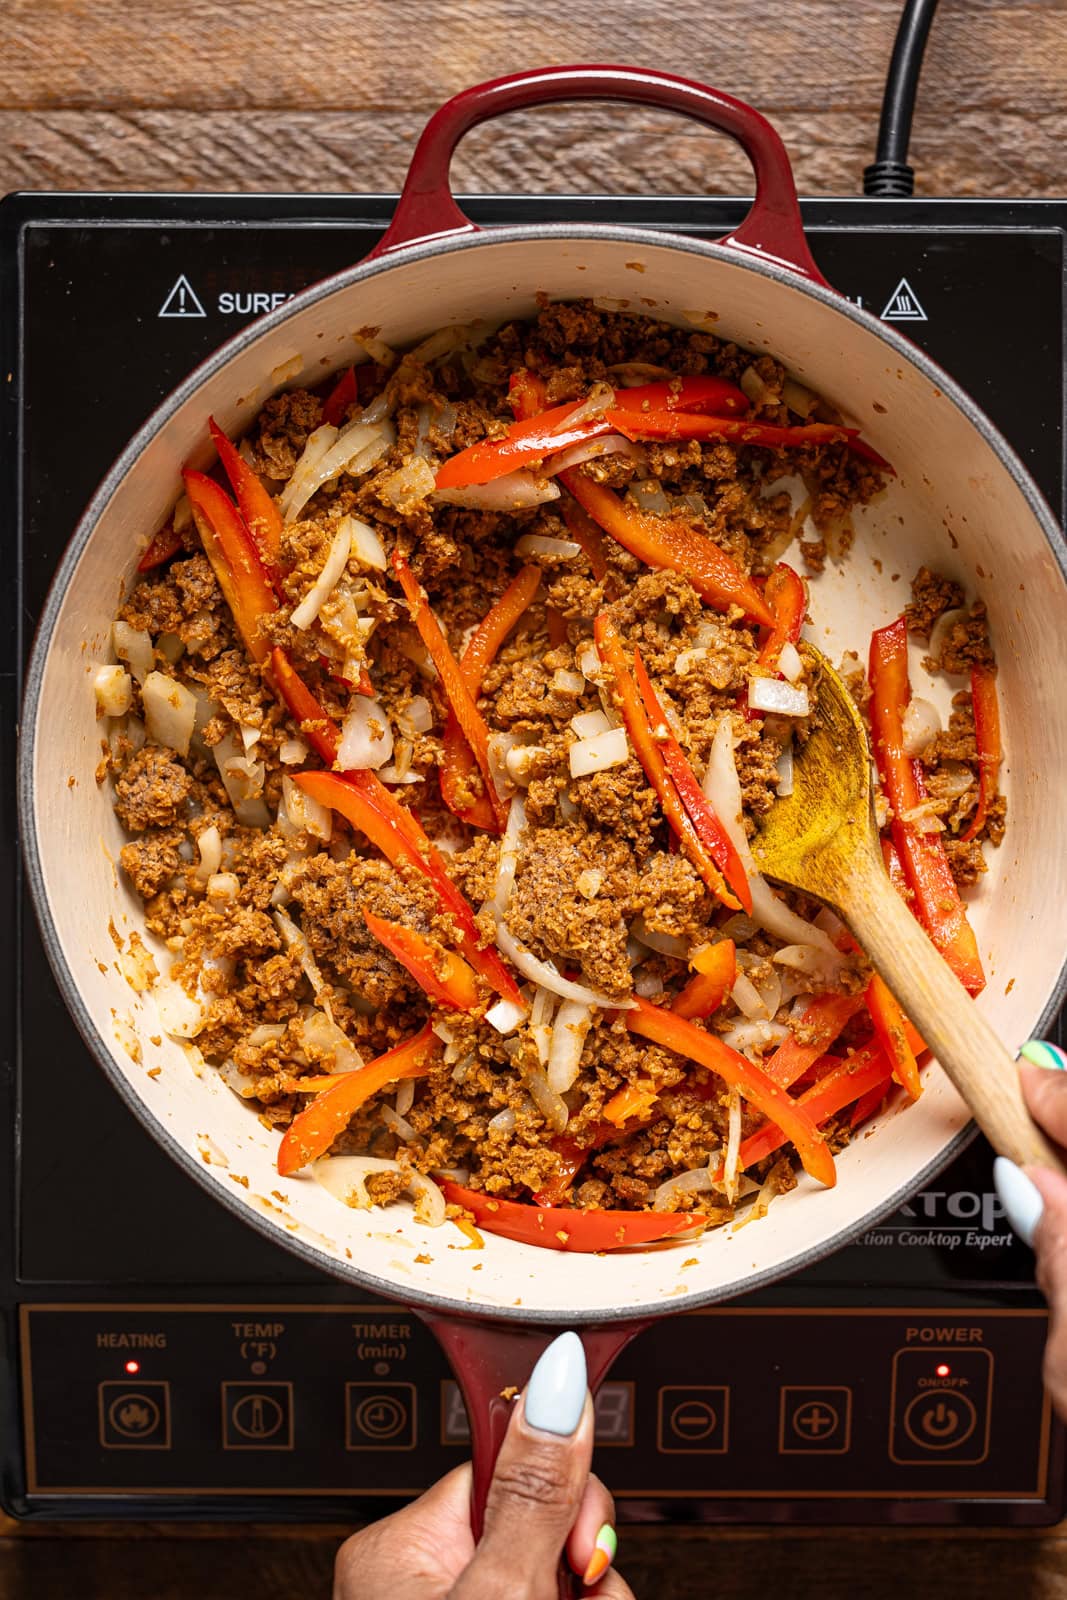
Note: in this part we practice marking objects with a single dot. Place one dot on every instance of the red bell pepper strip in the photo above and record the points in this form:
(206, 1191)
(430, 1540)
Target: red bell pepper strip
(318, 726)
(739, 430)
(670, 542)
(649, 753)
(787, 597)
(868, 1104)
(571, 1158)
(261, 515)
(527, 394)
(821, 1023)
(365, 802)
(987, 739)
(458, 762)
(162, 545)
(443, 975)
(937, 899)
(584, 531)
(340, 397)
(632, 1100)
(895, 870)
(313, 1131)
(795, 1123)
(718, 396)
(715, 976)
(890, 1025)
(561, 1228)
(712, 833)
(229, 547)
(458, 694)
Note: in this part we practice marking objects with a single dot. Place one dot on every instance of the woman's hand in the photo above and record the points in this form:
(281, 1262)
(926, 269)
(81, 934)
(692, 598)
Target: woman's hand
(542, 1498)
(1035, 1200)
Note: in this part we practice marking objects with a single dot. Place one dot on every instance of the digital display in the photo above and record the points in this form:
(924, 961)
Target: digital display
(613, 1407)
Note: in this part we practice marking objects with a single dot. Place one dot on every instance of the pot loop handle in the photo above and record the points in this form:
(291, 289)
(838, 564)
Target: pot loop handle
(772, 230)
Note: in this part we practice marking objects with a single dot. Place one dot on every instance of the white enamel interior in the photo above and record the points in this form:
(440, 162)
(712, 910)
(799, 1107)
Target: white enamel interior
(954, 504)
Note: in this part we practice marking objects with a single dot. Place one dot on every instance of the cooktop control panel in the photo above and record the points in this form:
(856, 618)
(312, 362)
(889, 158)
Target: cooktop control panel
(182, 1401)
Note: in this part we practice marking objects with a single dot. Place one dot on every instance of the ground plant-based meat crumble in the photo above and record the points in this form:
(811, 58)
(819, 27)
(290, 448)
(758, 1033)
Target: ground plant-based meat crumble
(444, 710)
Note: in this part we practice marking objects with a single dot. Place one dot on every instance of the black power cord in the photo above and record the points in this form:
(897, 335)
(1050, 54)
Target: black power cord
(889, 175)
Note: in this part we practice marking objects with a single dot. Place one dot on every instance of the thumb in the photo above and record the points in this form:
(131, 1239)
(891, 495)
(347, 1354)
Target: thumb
(537, 1487)
(1035, 1201)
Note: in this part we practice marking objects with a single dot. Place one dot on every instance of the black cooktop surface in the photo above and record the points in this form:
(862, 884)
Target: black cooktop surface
(109, 300)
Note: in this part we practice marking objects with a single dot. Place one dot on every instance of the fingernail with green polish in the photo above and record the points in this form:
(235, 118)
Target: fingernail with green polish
(1043, 1053)
(603, 1555)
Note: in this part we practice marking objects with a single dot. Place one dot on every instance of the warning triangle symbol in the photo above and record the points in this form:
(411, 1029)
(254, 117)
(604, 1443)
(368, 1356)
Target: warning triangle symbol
(181, 301)
(903, 305)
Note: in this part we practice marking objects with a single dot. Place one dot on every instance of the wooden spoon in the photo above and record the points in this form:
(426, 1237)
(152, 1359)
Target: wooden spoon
(822, 839)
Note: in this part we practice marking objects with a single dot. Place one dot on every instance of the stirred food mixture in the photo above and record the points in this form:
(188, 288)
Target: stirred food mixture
(445, 708)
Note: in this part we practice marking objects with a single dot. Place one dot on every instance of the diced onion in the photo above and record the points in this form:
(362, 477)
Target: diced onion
(367, 547)
(169, 711)
(564, 682)
(223, 886)
(500, 747)
(753, 386)
(954, 779)
(305, 813)
(772, 694)
(248, 803)
(598, 754)
(685, 658)
(324, 585)
(548, 1102)
(548, 976)
(180, 1014)
(209, 844)
(696, 1181)
(589, 883)
(513, 492)
(361, 745)
(509, 856)
(784, 785)
(921, 726)
(797, 398)
(539, 544)
(588, 660)
(134, 646)
(419, 714)
(291, 752)
(587, 724)
(754, 1035)
(569, 1032)
(790, 664)
(113, 688)
(505, 1016)
(649, 496)
(409, 485)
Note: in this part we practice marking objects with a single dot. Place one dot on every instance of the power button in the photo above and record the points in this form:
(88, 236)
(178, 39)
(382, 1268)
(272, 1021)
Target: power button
(940, 1411)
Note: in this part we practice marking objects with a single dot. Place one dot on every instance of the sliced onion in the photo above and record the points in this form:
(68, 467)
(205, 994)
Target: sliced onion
(921, 726)
(405, 1096)
(503, 1122)
(761, 1205)
(696, 1181)
(790, 664)
(169, 711)
(539, 544)
(393, 774)
(548, 1102)
(753, 386)
(611, 444)
(548, 976)
(500, 747)
(647, 983)
(345, 1177)
(665, 944)
(797, 398)
(685, 658)
(376, 348)
(812, 960)
(774, 695)
(134, 646)
(569, 1032)
(354, 450)
(113, 688)
(419, 714)
(367, 547)
(784, 785)
(938, 633)
(399, 1125)
(361, 746)
(306, 814)
(509, 856)
(732, 1157)
(324, 585)
(755, 1035)
(513, 492)
(587, 724)
(505, 1016)
(747, 998)
(313, 452)
(954, 779)
(409, 485)
(295, 940)
(598, 754)
(209, 843)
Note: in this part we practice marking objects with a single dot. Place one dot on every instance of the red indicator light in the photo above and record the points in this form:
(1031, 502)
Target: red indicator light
(943, 1371)
(135, 1366)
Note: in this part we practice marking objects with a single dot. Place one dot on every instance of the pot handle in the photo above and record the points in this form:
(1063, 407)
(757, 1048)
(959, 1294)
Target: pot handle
(772, 229)
(490, 1357)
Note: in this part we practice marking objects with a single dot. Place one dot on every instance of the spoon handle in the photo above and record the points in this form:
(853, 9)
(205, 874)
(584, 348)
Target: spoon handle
(949, 1021)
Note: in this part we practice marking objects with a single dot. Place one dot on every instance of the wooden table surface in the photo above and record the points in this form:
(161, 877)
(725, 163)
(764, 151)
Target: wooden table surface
(329, 95)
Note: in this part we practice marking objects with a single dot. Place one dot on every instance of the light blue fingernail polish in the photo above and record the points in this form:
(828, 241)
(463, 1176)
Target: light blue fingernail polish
(1020, 1198)
(1043, 1053)
(555, 1394)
